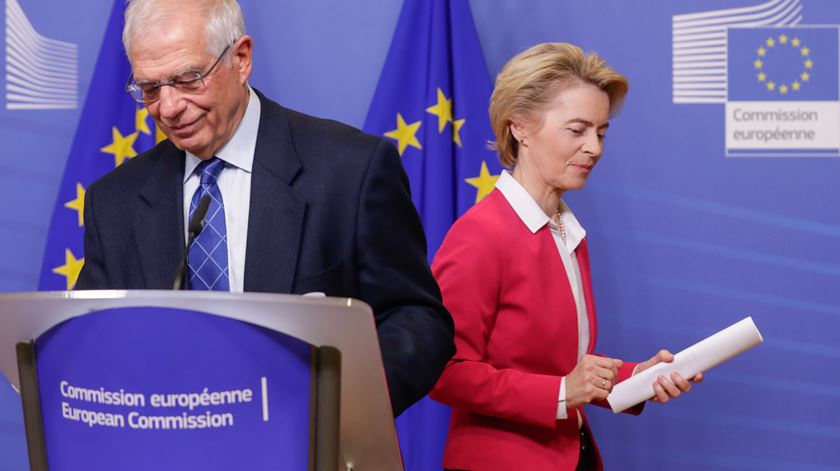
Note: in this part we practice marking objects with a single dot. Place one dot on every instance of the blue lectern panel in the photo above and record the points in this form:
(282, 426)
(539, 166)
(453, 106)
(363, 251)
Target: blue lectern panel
(158, 388)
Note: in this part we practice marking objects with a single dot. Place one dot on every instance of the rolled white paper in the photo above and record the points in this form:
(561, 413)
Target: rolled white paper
(702, 356)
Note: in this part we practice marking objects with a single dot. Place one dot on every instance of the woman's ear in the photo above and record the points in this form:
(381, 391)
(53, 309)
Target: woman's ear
(517, 130)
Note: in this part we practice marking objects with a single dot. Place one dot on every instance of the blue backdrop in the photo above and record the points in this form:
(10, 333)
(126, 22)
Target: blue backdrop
(684, 240)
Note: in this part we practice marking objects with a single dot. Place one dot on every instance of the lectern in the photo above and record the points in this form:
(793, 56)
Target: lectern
(197, 380)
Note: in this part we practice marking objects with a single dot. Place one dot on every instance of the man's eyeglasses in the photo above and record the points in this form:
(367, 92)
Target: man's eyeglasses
(148, 91)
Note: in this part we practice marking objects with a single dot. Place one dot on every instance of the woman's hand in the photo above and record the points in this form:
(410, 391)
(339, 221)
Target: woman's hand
(667, 388)
(592, 379)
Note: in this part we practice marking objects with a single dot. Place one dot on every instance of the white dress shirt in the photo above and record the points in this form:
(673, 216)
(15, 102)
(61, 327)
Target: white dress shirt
(235, 185)
(535, 218)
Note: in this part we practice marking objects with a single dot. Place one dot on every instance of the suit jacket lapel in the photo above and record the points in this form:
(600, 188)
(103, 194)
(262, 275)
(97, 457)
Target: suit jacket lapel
(159, 227)
(275, 221)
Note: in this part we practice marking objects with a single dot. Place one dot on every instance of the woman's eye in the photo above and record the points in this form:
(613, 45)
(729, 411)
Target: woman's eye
(575, 131)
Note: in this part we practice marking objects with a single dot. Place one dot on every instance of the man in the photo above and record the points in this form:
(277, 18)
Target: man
(298, 204)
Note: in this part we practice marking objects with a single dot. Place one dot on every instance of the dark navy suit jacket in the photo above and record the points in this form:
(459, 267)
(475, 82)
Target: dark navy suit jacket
(330, 211)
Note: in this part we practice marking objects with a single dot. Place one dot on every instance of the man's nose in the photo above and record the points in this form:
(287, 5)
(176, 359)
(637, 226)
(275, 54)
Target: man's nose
(170, 103)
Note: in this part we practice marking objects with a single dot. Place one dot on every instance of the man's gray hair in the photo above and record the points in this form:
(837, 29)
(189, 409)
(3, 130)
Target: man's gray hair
(225, 23)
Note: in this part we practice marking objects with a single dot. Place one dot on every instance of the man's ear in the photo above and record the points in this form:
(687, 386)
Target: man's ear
(241, 55)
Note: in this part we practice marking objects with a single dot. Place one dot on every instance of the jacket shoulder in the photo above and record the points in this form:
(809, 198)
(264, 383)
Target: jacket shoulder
(326, 135)
(491, 214)
(132, 174)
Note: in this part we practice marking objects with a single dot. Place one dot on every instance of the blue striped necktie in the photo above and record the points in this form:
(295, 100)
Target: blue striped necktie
(208, 257)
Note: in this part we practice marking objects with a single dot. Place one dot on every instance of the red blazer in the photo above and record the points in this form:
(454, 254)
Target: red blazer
(516, 333)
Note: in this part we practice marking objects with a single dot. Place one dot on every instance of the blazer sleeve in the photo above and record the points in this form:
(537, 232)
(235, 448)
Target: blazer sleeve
(625, 372)
(415, 330)
(93, 274)
(469, 268)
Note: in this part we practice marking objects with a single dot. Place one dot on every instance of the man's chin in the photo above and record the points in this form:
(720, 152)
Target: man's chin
(189, 144)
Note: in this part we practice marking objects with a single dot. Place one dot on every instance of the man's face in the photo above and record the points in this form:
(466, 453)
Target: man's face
(200, 121)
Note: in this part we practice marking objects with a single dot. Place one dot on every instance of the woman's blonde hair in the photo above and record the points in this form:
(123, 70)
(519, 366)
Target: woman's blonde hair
(531, 80)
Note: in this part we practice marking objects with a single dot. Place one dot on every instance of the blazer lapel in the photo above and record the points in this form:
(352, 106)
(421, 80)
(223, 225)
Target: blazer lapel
(159, 227)
(275, 221)
(585, 275)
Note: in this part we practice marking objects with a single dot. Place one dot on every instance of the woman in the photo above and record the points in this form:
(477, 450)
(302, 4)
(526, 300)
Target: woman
(514, 271)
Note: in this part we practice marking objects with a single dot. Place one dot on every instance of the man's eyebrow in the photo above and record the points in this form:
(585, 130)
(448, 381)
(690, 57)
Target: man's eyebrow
(194, 67)
(190, 69)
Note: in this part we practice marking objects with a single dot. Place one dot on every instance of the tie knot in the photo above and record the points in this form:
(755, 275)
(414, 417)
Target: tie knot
(209, 170)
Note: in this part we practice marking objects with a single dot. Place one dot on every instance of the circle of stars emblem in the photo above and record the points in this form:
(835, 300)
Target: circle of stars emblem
(783, 87)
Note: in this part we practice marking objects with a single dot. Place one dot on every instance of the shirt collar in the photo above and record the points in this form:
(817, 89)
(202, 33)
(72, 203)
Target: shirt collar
(521, 201)
(239, 150)
(533, 216)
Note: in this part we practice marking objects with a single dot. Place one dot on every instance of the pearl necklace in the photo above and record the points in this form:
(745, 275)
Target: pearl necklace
(562, 226)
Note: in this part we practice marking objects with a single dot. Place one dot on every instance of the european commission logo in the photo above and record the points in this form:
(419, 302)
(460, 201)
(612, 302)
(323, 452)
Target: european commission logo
(777, 78)
(41, 73)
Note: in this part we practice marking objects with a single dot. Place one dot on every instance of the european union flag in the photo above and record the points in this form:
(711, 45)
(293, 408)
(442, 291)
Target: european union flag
(112, 128)
(783, 64)
(432, 100)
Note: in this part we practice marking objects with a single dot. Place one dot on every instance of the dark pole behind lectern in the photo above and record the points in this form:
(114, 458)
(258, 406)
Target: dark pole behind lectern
(328, 409)
(30, 396)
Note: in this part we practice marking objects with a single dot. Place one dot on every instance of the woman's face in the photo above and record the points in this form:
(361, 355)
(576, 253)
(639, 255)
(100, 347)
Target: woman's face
(567, 139)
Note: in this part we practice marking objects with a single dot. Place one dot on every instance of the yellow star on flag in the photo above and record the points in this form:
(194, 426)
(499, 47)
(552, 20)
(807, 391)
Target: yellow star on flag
(443, 110)
(770, 42)
(71, 268)
(78, 204)
(794, 42)
(795, 86)
(771, 86)
(762, 52)
(405, 134)
(809, 63)
(783, 89)
(484, 182)
(122, 148)
(140, 124)
(456, 130)
(783, 39)
(762, 76)
(160, 136)
(805, 76)
(805, 51)
(758, 63)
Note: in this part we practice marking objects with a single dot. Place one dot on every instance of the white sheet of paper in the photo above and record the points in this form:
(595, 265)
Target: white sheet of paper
(702, 356)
